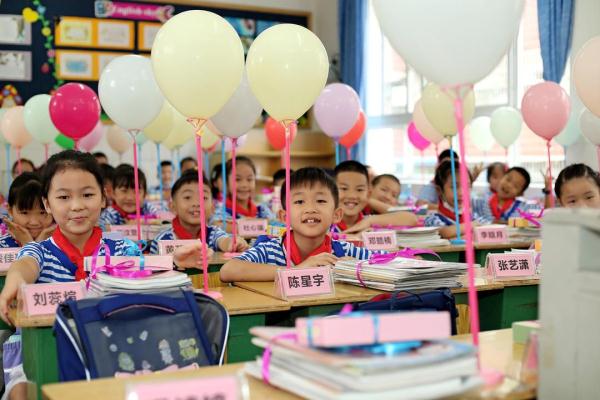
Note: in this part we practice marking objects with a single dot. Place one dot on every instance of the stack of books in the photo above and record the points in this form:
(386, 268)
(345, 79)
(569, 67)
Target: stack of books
(420, 237)
(105, 284)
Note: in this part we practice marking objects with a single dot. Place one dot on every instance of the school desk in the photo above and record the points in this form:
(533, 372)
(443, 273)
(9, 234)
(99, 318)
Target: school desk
(482, 250)
(496, 348)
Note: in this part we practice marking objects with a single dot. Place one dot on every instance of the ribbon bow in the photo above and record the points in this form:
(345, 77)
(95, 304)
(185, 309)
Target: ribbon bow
(389, 257)
(533, 219)
(125, 269)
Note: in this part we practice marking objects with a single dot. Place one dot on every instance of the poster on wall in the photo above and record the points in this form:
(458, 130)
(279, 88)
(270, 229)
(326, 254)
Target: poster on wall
(15, 65)
(14, 30)
(75, 32)
(115, 34)
(146, 33)
(75, 65)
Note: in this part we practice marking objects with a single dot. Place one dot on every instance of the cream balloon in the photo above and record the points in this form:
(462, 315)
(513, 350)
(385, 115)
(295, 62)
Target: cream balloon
(160, 127)
(586, 76)
(480, 133)
(181, 132)
(506, 125)
(287, 68)
(424, 126)
(590, 126)
(209, 138)
(13, 127)
(198, 61)
(118, 139)
(438, 106)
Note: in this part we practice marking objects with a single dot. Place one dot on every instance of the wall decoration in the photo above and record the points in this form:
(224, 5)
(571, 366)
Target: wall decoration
(75, 65)
(115, 34)
(9, 97)
(15, 65)
(14, 30)
(146, 33)
(144, 12)
(78, 32)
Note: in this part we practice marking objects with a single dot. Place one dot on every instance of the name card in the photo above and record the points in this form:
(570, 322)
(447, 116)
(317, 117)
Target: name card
(303, 282)
(380, 240)
(150, 231)
(252, 227)
(128, 231)
(217, 388)
(168, 247)
(7, 257)
(165, 215)
(44, 298)
(155, 263)
(510, 265)
(491, 234)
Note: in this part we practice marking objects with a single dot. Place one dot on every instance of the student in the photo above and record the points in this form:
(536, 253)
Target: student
(28, 220)
(166, 169)
(278, 181)
(578, 186)
(352, 179)
(185, 204)
(124, 198)
(26, 166)
(108, 175)
(216, 183)
(187, 163)
(384, 193)
(101, 158)
(494, 173)
(314, 208)
(445, 216)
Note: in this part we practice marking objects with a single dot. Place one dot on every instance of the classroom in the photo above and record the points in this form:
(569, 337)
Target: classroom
(299, 199)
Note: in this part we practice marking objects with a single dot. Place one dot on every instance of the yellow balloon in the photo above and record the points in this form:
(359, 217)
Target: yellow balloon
(424, 126)
(287, 68)
(181, 132)
(438, 106)
(159, 129)
(170, 142)
(209, 138)
(198, 61)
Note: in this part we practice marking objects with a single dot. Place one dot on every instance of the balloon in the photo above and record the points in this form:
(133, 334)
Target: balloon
(287, 69)
(276, 133)
(586, 76)
(214, 147)
(590, 126)
(2, 138)
(128, 92)
(480, 133)
(505, 125)
(91, 140)
(546, 108)
(160, 127)
(570, 134)
(37, 119)
(209, 138)
(355, 133)
(439, 108)
(74, 110)
(424, 126)
(450, 42)
(198, 62)
(64, 142)
(140, 139)
(181, 132)
(416, 139)
(240, 113)
(118, 139)
(241, 141)
(337, 109)
(13, 127)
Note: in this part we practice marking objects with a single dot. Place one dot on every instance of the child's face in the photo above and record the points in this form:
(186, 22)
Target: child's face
(245, 181)
(511, 185)
(186, 204)
(448, 193)
(580, 193)
(167, 174)
(34, 220)
(495, 178)
(313, 210)
(354, 192)
(387, 191)
(75, 200)
(125, 198)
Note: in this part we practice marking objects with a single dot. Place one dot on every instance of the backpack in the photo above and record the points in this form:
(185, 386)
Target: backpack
(129, 333)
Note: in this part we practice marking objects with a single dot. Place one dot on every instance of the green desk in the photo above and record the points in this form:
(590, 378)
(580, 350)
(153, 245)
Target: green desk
(482, 250)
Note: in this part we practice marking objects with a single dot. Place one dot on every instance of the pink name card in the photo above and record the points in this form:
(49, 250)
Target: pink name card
(510, 265)
(156, 263)
(302, 282)
(44, 298)
(252, 227)
(221, 388)
(128, 231)
(380, 240)
(491, 234)
(165, 215)
(150, 231)
(7, 257)
(168, 247)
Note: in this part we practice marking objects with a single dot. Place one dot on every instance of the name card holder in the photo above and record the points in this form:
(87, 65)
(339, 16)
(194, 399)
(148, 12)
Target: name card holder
(128, 231)
(380, 240)
(44, 298)
(228, 387)
(293, 283)
(488, 234)
(252, 227)
(7, 257)
(507, 266)
(168, 247)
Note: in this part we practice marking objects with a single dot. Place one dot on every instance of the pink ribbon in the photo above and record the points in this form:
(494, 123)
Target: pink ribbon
(266, 362)
(125, 269)
(532, 218)
(338, 236)
(391, 227)
(145, 217)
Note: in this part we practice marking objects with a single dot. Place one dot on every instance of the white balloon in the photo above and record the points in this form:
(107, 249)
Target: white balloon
(240, 112)
(570, 134)
(241, 141)
(450, 42)
(118, 139)
(128, 92)
(36, 114)
(480, 133)
(590, 126)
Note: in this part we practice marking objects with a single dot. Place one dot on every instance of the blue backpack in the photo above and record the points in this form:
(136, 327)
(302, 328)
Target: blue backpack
(98, 337)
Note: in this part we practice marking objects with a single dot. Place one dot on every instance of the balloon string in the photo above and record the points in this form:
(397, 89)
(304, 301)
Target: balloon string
(139, 147)
(206, 162)
(138, 216)
(506, 154)
(548, 144)
(160, 175)
(76, 145)
(337, 153)
(348, 153)
(202, 212)
(233, 193)
(8, 171)
(19, 166)
(224, 181)
(46, 152)
(422, 166)
(454, 190)
(288, 211)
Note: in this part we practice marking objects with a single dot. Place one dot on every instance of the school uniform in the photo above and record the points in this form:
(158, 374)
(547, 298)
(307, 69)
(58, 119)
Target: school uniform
(177, 232)
(490, 207)
(252, 211)
(8, 241)
(445, 216)
(115, 215)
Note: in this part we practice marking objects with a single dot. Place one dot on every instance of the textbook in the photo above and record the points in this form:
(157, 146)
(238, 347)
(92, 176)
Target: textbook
(105, 284)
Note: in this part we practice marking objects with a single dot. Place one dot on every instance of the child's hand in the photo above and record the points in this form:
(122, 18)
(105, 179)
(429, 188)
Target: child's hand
(320, 260)
(190, 256)
(20, 234)
(547, 179)
(9, 293)
(477, 170)
(240, 245)
(46, 233)
(362, 225)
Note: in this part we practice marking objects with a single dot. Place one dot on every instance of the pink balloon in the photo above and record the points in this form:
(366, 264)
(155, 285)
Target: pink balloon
(91, 140)
(416, 139)
(13, 128)
(546, 108)
(337, 109)
(75, 110)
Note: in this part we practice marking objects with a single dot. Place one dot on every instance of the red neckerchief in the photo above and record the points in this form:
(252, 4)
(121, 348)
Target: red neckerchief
(180, 232)
(250, 212)
(121, 212)
(497, 211)
(342, 225)
(367, 211)
(295, 256)
(442, 209)
(73, 252)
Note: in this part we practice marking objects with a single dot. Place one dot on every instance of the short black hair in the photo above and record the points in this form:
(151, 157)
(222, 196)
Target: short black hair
(99, 154)
(186, 159)
(108, 173)
(187, 177)
(166, 163)
(70, 159)
(524, 174)
(215, 175)
(574, 171)
(25, 191)
(351, 166)
(125, 177)
(444, 171)
(280, 174)
(447, 154)
(311, 176)
(379, 178)
(15, 165)
(239, 160)
(492, 167)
